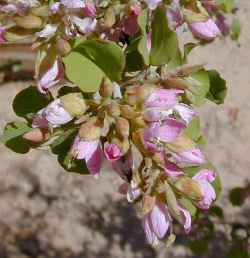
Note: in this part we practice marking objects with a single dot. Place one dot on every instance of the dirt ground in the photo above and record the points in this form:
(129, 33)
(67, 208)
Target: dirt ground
(46, 212)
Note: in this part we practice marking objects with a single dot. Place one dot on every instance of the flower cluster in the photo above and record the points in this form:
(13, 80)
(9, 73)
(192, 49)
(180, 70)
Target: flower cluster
(118, 88)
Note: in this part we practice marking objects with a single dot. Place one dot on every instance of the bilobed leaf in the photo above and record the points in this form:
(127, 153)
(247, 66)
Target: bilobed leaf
(226, 5)
(83, 72)
(193, 129)
(218, 90)
(107, 55)
(187, 50)
(165, 47)
(200, 87)
(187, 204)
(28, 101)
(142, 45)
(12, 137)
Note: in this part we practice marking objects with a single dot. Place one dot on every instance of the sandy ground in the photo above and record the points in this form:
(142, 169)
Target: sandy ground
(46, 212)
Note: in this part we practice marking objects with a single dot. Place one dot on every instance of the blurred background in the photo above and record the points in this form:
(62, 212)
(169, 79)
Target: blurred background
(46, 212)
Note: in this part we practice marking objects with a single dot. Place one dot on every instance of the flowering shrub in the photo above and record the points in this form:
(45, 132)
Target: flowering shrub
(113, 84)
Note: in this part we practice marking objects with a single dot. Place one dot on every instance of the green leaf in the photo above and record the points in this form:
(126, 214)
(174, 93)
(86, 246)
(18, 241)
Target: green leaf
(142, 46)
(200, 87)
(63, 143)
(187, 204)
(83, 72)
(235, 29)
(61, 146)
(226, 5)
(72, 165)
(187, 50)
(12, 137)
(107, 55)
(236, 196)
(218, 89)
(28, 101)
(193, 129)
(164, 41)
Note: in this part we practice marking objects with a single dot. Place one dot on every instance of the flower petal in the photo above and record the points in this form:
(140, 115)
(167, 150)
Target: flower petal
(160, 220)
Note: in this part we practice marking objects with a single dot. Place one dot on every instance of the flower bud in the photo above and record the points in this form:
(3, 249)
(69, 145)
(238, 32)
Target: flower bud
(90, 130)
(148, 203)
(89, 10)
(42, 11)
(36, 135)
(181, 143)
(106, 88)
(122, 127)
(74, 104)
(28, 22)
(112, 152)
(109, 17)
(189, 187)
(113, 109)
(128, 112)
(138, 94)
(63, 47)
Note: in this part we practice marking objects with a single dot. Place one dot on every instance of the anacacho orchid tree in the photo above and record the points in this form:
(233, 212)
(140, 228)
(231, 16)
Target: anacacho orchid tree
(113, 83)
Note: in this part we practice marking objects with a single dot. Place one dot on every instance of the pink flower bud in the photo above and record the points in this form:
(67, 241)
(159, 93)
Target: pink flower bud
(112, 152)
(206, 30)
(2, 37)
(204, 178)
(89, 10)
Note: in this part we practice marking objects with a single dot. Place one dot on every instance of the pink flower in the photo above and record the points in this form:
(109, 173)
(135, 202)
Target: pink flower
(89, 10)
(54, 115)
(163, 98)
(190, 157)
(204, 178)
(112, 152)
(155, 114)
(2, 31)
(50, 74)
(73, 4)
(186, 112)
(90, 151)
(156, 223)
(171, 169)
(206, 30)
(84, 25)
(165, 132)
